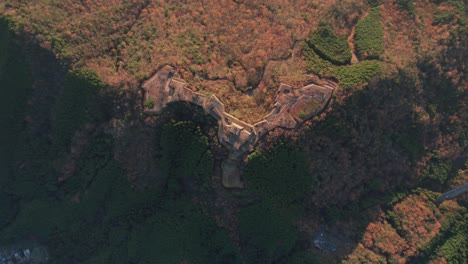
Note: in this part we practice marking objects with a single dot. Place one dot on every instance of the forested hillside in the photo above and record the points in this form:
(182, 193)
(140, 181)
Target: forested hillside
(86, 174)
(225, 47)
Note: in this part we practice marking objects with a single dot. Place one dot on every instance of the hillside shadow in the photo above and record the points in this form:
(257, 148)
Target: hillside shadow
(368, 148)
(187, 111)
(363, 154)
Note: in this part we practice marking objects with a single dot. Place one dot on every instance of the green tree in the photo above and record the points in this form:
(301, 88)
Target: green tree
(150, 103)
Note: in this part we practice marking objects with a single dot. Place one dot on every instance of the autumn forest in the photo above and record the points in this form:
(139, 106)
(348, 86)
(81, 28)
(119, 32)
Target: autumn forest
(88, 176)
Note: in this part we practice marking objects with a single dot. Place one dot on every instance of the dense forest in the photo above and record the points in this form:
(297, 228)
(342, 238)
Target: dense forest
(86, 174)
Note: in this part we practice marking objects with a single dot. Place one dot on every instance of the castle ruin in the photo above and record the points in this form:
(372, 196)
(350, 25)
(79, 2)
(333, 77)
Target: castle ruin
(292, 107)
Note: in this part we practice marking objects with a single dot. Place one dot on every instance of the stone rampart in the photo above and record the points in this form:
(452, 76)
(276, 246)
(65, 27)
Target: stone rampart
(292, 107)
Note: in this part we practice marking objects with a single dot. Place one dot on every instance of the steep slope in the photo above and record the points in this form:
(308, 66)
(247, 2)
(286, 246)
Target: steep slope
(87, 174)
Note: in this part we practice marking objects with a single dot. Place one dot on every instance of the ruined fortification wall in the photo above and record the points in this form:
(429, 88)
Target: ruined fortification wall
(292, 107)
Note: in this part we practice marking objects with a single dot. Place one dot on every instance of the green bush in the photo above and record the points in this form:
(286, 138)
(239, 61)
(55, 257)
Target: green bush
(150, 103)
(329, 46)
(369, 36)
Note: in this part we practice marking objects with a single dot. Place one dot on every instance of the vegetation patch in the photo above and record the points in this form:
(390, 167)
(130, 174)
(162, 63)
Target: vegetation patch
(308, 108)
(369, 36)
(316, 64)
(357, 74)
(329, 46)
(414, 230)
(347, 75)
(150, 103)
(451, 243)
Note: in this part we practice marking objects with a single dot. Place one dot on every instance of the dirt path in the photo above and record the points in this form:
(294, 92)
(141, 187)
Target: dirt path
(354, 58)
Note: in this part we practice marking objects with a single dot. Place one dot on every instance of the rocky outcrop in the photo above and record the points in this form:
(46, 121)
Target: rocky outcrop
(292, 107)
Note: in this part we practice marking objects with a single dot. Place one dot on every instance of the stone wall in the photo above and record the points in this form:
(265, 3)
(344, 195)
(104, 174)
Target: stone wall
(292, 107)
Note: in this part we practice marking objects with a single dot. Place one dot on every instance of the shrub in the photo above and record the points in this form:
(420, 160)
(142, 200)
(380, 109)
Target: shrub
(329, 46)
(369, 36)
(303, 115)
(150, 103)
